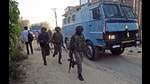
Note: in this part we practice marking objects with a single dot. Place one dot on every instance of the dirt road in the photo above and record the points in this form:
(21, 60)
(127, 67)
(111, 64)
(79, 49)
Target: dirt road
(107, 69)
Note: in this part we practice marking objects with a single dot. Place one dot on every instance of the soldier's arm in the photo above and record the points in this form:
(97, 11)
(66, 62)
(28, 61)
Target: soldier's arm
(62, 39)
(39, 38)
(71, 43)
(48, 38)
(53, 36)
(84, 44)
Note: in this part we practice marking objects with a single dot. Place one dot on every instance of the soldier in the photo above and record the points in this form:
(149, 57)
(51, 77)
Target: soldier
(77, 46)
(57, 40)
(43, 39)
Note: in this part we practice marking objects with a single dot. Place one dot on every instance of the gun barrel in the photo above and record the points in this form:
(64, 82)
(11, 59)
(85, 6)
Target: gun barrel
(71, 61)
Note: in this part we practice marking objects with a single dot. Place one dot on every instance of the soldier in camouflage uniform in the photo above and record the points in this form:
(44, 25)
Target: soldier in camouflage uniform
(77, 45)
(57, 40)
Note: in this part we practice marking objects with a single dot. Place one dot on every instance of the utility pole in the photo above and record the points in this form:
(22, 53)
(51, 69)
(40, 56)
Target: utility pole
(54, 9)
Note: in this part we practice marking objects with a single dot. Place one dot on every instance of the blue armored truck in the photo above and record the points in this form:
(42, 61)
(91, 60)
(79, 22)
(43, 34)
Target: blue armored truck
(107, 26)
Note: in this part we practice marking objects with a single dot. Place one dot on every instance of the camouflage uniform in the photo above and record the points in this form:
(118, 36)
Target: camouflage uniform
(57, 40)
(77, 45)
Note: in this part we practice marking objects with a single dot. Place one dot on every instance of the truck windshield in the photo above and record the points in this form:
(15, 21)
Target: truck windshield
(111, 11)
(127, 12)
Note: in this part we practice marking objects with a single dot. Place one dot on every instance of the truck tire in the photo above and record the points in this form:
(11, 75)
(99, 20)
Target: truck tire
(90, 51)
(117, 51)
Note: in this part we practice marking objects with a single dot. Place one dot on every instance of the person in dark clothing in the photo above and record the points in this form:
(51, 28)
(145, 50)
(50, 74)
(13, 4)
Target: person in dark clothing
(57, 40)
(43, 40)
(24, 37)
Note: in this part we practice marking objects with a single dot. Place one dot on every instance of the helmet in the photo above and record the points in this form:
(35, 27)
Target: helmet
(79, 28)
(43, 28)
(57, 28)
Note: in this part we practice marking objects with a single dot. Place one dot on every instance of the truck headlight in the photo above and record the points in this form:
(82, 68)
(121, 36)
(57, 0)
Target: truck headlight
(111, 37)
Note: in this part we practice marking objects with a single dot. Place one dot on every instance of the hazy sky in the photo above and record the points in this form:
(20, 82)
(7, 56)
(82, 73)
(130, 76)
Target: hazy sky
(41, 10)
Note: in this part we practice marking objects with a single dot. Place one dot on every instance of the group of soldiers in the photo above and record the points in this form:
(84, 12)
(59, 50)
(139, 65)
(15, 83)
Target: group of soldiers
(45, 38)
(77, 46)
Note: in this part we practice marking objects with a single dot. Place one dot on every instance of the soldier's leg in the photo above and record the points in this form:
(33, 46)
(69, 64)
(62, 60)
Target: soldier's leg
(60, 54)
(44, 56)
(55, 50)
(79, 60)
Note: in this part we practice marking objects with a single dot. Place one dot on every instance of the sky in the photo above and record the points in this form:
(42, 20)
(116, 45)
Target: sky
(41, 10)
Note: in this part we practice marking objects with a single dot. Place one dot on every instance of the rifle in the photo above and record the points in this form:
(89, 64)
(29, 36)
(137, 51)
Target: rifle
(72, 62)
(64, 47)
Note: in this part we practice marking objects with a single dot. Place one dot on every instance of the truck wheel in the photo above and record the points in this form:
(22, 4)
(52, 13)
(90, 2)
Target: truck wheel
(90, 51)
(117, 51)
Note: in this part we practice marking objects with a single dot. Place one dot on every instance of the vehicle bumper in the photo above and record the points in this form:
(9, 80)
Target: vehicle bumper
(123, 43)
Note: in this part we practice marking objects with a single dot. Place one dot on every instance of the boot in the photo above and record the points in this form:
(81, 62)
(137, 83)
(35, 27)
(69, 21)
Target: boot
(59, 59)
(59, 62)
(80, 77)
(45, 63)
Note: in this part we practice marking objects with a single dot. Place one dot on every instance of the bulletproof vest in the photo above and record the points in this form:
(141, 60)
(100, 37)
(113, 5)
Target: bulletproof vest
(57, 38)
(79, 44)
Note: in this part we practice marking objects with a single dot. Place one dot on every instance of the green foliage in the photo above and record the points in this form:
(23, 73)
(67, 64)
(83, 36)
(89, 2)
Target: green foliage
(15, 55)
(14, 24)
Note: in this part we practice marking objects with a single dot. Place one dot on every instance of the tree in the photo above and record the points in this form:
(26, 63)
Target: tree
(25, 22)
(14, 36)
(44, 24)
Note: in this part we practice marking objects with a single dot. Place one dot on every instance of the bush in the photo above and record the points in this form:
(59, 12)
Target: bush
(18, 56)
(15, 71)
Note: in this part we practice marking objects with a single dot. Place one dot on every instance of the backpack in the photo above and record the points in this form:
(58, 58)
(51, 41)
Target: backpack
(30, 37)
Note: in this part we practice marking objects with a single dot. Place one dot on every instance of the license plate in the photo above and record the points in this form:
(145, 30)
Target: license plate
(115, 46)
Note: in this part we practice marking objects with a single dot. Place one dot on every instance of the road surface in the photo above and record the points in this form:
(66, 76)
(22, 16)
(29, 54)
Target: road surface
(107, 69)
